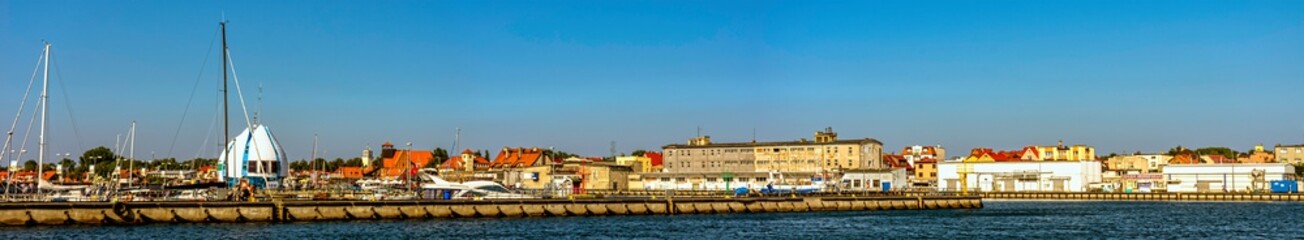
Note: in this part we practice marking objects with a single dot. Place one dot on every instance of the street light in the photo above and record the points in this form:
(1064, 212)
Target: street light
(13, 167)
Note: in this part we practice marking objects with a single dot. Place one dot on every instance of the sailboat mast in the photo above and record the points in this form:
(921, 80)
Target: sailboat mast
(45, 113)
(226, 110)
(131, 156)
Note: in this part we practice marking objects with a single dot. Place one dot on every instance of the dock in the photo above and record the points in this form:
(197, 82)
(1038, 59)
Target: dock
(130, 213)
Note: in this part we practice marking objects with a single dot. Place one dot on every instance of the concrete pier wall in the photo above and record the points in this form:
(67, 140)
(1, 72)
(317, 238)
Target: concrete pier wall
(99, 213)
(1257, 197)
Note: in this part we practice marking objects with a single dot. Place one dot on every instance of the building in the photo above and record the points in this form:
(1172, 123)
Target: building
(718, 181)
(916, 153)
(1292, 154)
(350, 172)
(925, 174)
(1020, 176)
(366, 157)
(648, 162)
(878, 180)
(458, 163)
(1139, 163)
(396, 163)
(1061, 152)
(825, 153)
(254, 155)
(1258, 155)
(588, 174)
(1233, 177)
(521, 157)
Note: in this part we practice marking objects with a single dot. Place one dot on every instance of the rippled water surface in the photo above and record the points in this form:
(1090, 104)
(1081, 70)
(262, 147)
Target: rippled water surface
(999, 219)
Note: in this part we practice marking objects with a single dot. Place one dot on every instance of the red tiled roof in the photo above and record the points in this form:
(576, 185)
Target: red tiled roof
(518, 157)
(405, 159)
(657, 160)
(455, 162)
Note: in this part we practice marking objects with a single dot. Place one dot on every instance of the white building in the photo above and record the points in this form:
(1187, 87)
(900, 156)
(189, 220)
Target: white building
(1020, 176)
(1235, 177)
(254, 155)
(874, 180)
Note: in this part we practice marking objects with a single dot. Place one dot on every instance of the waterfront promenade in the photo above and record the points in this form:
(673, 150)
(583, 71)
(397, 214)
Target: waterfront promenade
(99, 213)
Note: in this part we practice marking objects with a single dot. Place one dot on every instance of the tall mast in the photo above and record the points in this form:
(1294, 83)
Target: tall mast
(45, 113)
(131, 155)
(226, 111)
(314, 160)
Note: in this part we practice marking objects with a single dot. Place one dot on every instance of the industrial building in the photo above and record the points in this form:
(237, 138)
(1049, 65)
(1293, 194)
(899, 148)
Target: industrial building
(1019, 176)
(1232, 177)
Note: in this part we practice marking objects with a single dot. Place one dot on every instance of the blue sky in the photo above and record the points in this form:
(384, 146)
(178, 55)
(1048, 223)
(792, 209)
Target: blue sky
(1119, 75)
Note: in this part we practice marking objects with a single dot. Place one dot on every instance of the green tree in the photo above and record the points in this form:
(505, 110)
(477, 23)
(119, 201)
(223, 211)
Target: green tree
(30, 165)
(97, 155)
(638, 153)
(1224, 151)
(440, 156)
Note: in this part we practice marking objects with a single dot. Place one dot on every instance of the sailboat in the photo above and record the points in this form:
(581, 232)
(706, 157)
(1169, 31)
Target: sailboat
(41, 184)
(254, 154)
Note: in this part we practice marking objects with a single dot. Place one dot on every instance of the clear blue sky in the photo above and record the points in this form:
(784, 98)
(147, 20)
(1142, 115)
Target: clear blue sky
(1119, 75)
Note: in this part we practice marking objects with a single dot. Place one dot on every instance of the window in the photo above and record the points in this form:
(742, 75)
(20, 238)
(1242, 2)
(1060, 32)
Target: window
(741, 179)
(665, 179)
(710, 179)
(760, 179)
(680, 179)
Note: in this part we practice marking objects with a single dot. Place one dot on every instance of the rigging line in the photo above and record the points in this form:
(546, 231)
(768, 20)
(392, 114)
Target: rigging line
(204, 147)
(27, 134)
(193, 90)
(236, 77)
(243, 107)
(67, 103)
(9, 137)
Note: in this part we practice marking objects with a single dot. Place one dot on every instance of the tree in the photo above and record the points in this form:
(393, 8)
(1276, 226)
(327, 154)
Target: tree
(1224, 151)
(440, 156)
(638, 153)
(97, 155)
(560, 155)
(30, 165)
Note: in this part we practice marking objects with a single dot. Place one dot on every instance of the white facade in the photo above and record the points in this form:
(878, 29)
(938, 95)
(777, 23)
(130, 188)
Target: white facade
(1223, 177)
(254, 154)
(1039, 176)
(895, 179)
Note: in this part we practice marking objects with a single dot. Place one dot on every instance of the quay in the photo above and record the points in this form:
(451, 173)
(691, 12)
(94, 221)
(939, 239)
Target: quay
(1259, 197)
(127, 213)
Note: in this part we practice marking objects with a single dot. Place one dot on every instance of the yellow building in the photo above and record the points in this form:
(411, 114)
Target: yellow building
(637, 163)
(925, 172)
(1065, 153)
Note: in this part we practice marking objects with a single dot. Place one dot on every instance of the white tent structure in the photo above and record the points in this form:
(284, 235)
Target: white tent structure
(255, 155)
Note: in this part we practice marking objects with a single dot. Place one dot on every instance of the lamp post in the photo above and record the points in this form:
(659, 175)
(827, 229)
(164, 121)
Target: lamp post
(407, 175)
(9, 181)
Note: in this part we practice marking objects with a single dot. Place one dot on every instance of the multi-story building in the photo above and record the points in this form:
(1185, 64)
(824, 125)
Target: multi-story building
(825, 153)
(1062, 153)
(916, 153)
(1141, 163)
(1293, 154)
(648, 162)
(925, 172)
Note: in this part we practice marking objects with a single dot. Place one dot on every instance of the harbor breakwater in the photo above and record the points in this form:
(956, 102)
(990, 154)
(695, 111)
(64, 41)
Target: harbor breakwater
(1259, 197)
(100, 213)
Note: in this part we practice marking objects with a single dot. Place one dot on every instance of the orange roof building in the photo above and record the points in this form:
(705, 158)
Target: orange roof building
(521, 157)
(395, 161)
(457, 163)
